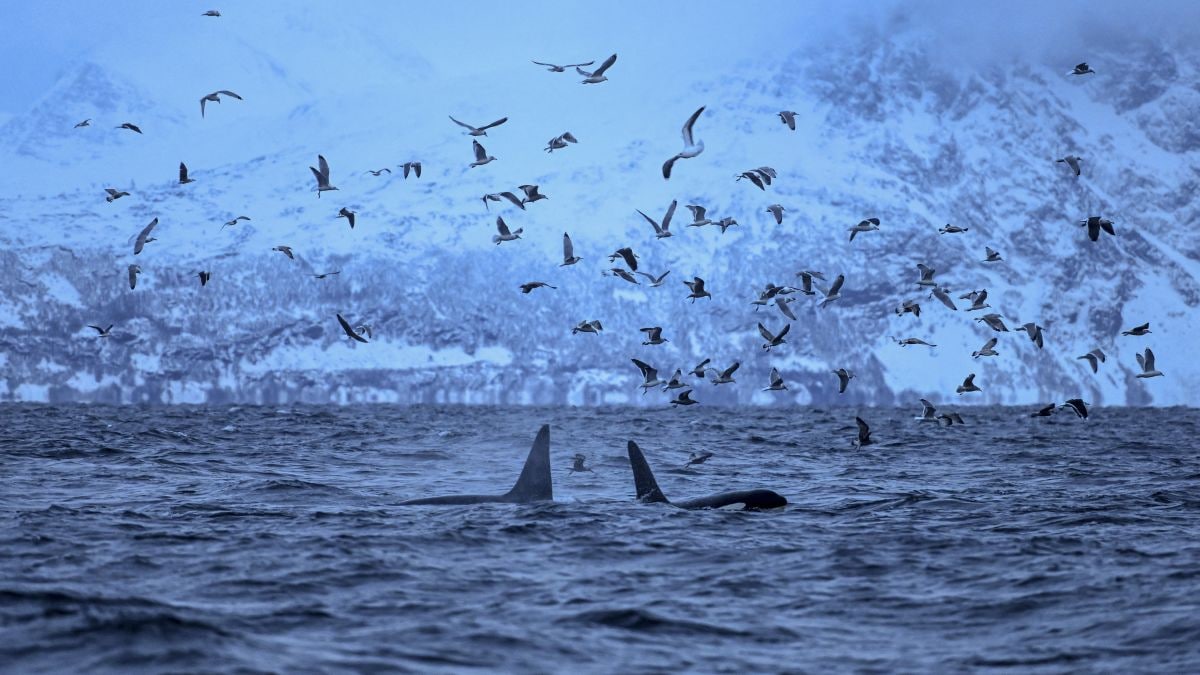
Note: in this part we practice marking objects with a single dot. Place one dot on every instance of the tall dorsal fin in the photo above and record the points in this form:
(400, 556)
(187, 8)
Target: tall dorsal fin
(534, 484)
(643, 478)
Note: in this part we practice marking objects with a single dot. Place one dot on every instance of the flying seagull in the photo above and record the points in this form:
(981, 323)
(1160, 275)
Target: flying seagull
(834, 292)
(348, 215)
(531, 193)
(684, 398)
(414, 167)
(661, 231)
(627, 255)
(868, 225)
(1045, 411)
(559, 69)
(909, 307)
(578, 466)
(777, 211)
(505, 234)
(951, 418)
(618, 272)
(1094, 359)
(943, 297)
(231, 223)
(691, 147)
(992, 256)
(913, 341)
(354, 335)
(700, 369)
(696, 286)
(928, 412)
(587, 327)
(559, 142)
(1071, 161)
(655, 281)
(864, 433)
(772, 339)
(649, 376)
(114, 194)
(1094, 224)
(806, 279)
(322, 175)
(529, 286)
(1035, 333)
(676, 381)
(1138, 330)
(286, 250)
(497, 196)
(183, 175)
(1146, 363)
(144, 236)
(134, 271)
(725, 223)
(569, 257)
(479, 131)
(85, 123)
(844, 377)
(596, 76)
(211, 12)
(776, 381)
(204, 277)
(481, 156)
(994, 321)
(131, 127)
(979, 301)
(698, 458)
(788, 117)
(1081, 69)
(1077, 405)
(215, 97)
(952, 229)
(377, 172)
(698, 217)
(926, 275)
(326, 274)
(653, 335)
(725, 376)
(987, 349)
(102, 332)
(782, 304)
(968, 385)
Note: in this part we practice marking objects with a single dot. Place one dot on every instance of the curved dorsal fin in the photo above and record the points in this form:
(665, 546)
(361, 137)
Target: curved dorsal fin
(534, 483)
(647, 488)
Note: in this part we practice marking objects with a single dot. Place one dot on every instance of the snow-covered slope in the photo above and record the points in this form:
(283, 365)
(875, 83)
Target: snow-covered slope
(882, 131)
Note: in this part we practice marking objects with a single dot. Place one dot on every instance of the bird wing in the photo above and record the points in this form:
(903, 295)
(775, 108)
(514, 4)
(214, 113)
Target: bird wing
(863, 430)
(417, 168)
(548, 65)
(98, 328)
(989, 344)
(687, 128)
(573, 65)
(568, 248)
(784, 331)
(141, 238)
(657, 228)
(783, 307)
(766, 334)
(349, 331)
(776, 378)
(945, 299)
(926, 272)
(1149, 359)
(568, 137)
(981, 298)
(201, 106)
(732, 369)
(461, 124)
(502, 227)
(513, 198)
(497, 123)
(324, 167)
(182, 172)
(697, 212)
(480, 153)
(605, 66)
(754, 179)
(970, 381)
(837, 285)
(630, 260)
(229, 93)
(927, 409)
(666, 221)
(667, 166)
(643, 366)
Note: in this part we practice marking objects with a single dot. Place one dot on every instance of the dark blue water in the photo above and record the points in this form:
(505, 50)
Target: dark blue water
(252, 539)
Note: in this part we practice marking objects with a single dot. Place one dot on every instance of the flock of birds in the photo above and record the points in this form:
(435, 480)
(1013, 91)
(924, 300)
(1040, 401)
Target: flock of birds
(780, 296)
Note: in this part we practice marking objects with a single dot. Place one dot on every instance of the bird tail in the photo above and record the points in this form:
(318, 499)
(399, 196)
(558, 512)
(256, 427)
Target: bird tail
(495, 239)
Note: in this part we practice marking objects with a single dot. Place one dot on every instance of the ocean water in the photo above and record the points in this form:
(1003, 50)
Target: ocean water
(255, 539)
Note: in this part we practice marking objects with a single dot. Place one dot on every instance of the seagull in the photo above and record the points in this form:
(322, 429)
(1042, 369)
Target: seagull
(698, 217)
(968, 385)
(987, 349)
(698, 458)
(844, 377)
(348, 215)
(676, 381)
(782, 304)
(1094, 224)
(1138, 330)
(649, 376)
(926, 275)
(481, 156)
(231, 223)
(114, 194)
(951, 418)
(587, 327)
(144, 236)
(909, 307)
(753, 177)
(134, 270)
(528, 287)
(578, 466)
(1078, 406)
(788, 117)
(322, 175)
(806, 278)
(995, 322)
(559, 142)
(661, 231)
(1082, 69)
(326, 274)
(776, 381)
(497, 196)
(928, 412)
(414, 167)
(85, 123)
(204, 277)
(131, 127)
(655, 282)
(1094, 359)
(868, 225)
(834, 292)
(684, 398)
(531, 193)
(979, 301)
(725, 376)
(725, 223)
(941, 295)
(479, 131)
(286, 250)
(700, 369)
(696, 286)
(377, 172)
(102, 332)
(691, 147)
(596, 76)
(183, 176)
(1045, 411)
(1146, 363)
(211, 12)
(777, 211)
(952, 229)
(627, 255)
(505, 235)
(1035, 333)
(913, 341)
(772, 340)
(864, 433)
(569, 257)
(653, 335)
(992, 255)
(216, 98)
(559, 69)
(350, 331)
(618, 272)
(1071, 161)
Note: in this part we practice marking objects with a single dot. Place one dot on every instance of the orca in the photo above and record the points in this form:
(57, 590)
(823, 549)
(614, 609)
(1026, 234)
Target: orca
(533, 485)
(648, 491)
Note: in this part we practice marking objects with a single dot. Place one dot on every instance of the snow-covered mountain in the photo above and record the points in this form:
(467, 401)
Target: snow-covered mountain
(883, 131)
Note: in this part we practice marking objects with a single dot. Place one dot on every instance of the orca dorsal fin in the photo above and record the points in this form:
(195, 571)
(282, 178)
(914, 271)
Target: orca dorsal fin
(534, 484)
(643, 478)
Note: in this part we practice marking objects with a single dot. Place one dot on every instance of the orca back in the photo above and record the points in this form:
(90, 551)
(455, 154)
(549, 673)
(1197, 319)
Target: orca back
(534, 484)
(647, 488)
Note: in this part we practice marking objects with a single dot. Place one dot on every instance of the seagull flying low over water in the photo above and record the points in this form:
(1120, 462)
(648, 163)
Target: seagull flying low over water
(478, 131)
(649, 376)
(968, 385)
(1094, 224)
(114, 194)
(676, 381)
(696, 286)
(348, 215)
(653, 335)
(183, 175)
(1094, 359)
(776, 381)
(481, 156)
(1072, 161)
(559, 69)
(725, 376)
(144, 237)
(414, 167)
(700, 369)
(559, 142)
(864, 433)
(684, 398)
(788, 117)
(322, 175)
(691, 147)
(597, 75)
(1138, 330)
(529, 286)
(588, 327)
(1077, 405)
(661, 231)
(504, 233)
(350, 332)
(578, 465)
(1045, 411)
(868, 225)
(844, 377)
(102, 332)
(772, 339)
(215, 97)
(951, 418)
(987, 349)
(698, 458)
(1146, 363)
(569, 257)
